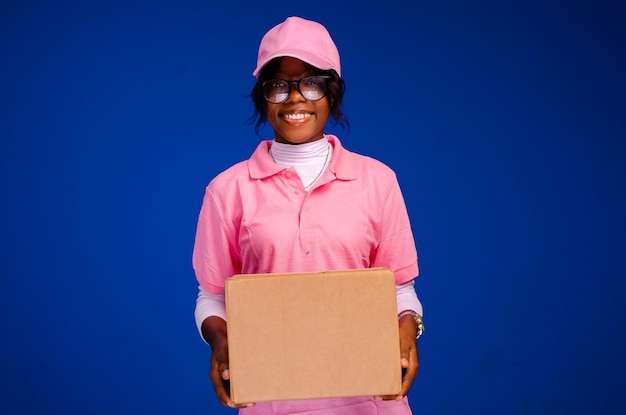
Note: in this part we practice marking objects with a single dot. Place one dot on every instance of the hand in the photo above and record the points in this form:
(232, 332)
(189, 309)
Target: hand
(409, 359)
(214, 331)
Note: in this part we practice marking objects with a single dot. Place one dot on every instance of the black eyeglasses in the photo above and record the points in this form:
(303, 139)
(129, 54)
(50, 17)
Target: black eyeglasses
(312, 88)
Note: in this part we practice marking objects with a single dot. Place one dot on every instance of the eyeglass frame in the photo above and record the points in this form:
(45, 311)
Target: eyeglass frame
(297, 83)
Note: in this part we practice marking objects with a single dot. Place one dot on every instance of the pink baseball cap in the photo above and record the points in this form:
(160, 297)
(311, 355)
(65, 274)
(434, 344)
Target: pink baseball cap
(299, 38)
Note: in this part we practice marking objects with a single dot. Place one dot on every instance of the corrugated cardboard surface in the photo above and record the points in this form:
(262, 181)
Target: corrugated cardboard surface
(312, 335)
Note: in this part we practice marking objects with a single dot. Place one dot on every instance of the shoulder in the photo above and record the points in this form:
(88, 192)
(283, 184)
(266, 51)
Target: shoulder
(351, 165)
(234, 172)
(372, 164)
(225, 186)
(369, 168)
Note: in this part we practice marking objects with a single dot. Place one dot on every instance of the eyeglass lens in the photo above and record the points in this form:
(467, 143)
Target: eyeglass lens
(312, 88)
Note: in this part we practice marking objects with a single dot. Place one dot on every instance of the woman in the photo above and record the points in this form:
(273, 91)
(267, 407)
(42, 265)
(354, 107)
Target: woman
(303, 203)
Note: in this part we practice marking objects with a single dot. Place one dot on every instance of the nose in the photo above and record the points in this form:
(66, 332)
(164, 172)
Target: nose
(295, 86)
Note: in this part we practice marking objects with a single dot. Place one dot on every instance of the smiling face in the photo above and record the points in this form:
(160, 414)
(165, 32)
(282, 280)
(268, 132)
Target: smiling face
(297, 120)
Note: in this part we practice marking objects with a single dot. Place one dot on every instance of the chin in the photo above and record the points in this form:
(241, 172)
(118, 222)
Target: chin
(297, 138)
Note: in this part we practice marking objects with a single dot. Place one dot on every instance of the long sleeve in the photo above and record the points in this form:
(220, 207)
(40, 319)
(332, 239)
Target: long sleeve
(407, 298)
(207, 305)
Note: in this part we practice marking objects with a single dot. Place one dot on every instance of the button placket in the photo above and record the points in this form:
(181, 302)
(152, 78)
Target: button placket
(309, 232)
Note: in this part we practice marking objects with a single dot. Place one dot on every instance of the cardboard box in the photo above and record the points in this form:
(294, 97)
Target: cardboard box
(312, 335)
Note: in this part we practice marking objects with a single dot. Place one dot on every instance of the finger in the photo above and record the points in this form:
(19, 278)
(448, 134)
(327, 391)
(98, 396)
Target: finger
(220, 377)
(386, 397)
(392, 397)
(405, 357)
(219, 384)
(410, 372)
(407, 349)
(222, 388)
(224, 372)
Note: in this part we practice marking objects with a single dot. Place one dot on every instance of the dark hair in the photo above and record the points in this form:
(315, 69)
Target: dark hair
(335, 89)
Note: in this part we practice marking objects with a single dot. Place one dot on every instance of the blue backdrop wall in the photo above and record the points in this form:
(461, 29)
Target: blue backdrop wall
(505, 122)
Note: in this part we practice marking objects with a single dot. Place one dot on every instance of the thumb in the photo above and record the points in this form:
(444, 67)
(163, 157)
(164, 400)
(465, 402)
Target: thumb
(225, 373)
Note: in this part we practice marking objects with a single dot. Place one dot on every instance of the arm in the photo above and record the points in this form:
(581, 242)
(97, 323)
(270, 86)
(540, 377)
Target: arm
(210, 316)
(396, 250)
(409, 359)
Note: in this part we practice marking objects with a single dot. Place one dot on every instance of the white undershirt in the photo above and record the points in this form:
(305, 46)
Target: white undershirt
(310, 160)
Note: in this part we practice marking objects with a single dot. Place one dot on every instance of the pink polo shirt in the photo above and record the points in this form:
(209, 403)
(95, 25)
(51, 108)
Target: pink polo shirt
(256, 217)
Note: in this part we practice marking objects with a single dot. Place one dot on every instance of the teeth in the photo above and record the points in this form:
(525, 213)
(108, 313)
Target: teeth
(298, 116)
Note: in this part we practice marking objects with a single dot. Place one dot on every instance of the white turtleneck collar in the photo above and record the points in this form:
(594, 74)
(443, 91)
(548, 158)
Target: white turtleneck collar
(304, 154)
(309, 159)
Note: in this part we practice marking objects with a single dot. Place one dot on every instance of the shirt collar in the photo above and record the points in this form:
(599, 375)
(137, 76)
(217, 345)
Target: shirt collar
(343, 163)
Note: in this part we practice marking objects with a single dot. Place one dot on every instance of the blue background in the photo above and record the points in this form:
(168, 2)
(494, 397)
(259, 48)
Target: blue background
(505, 122)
